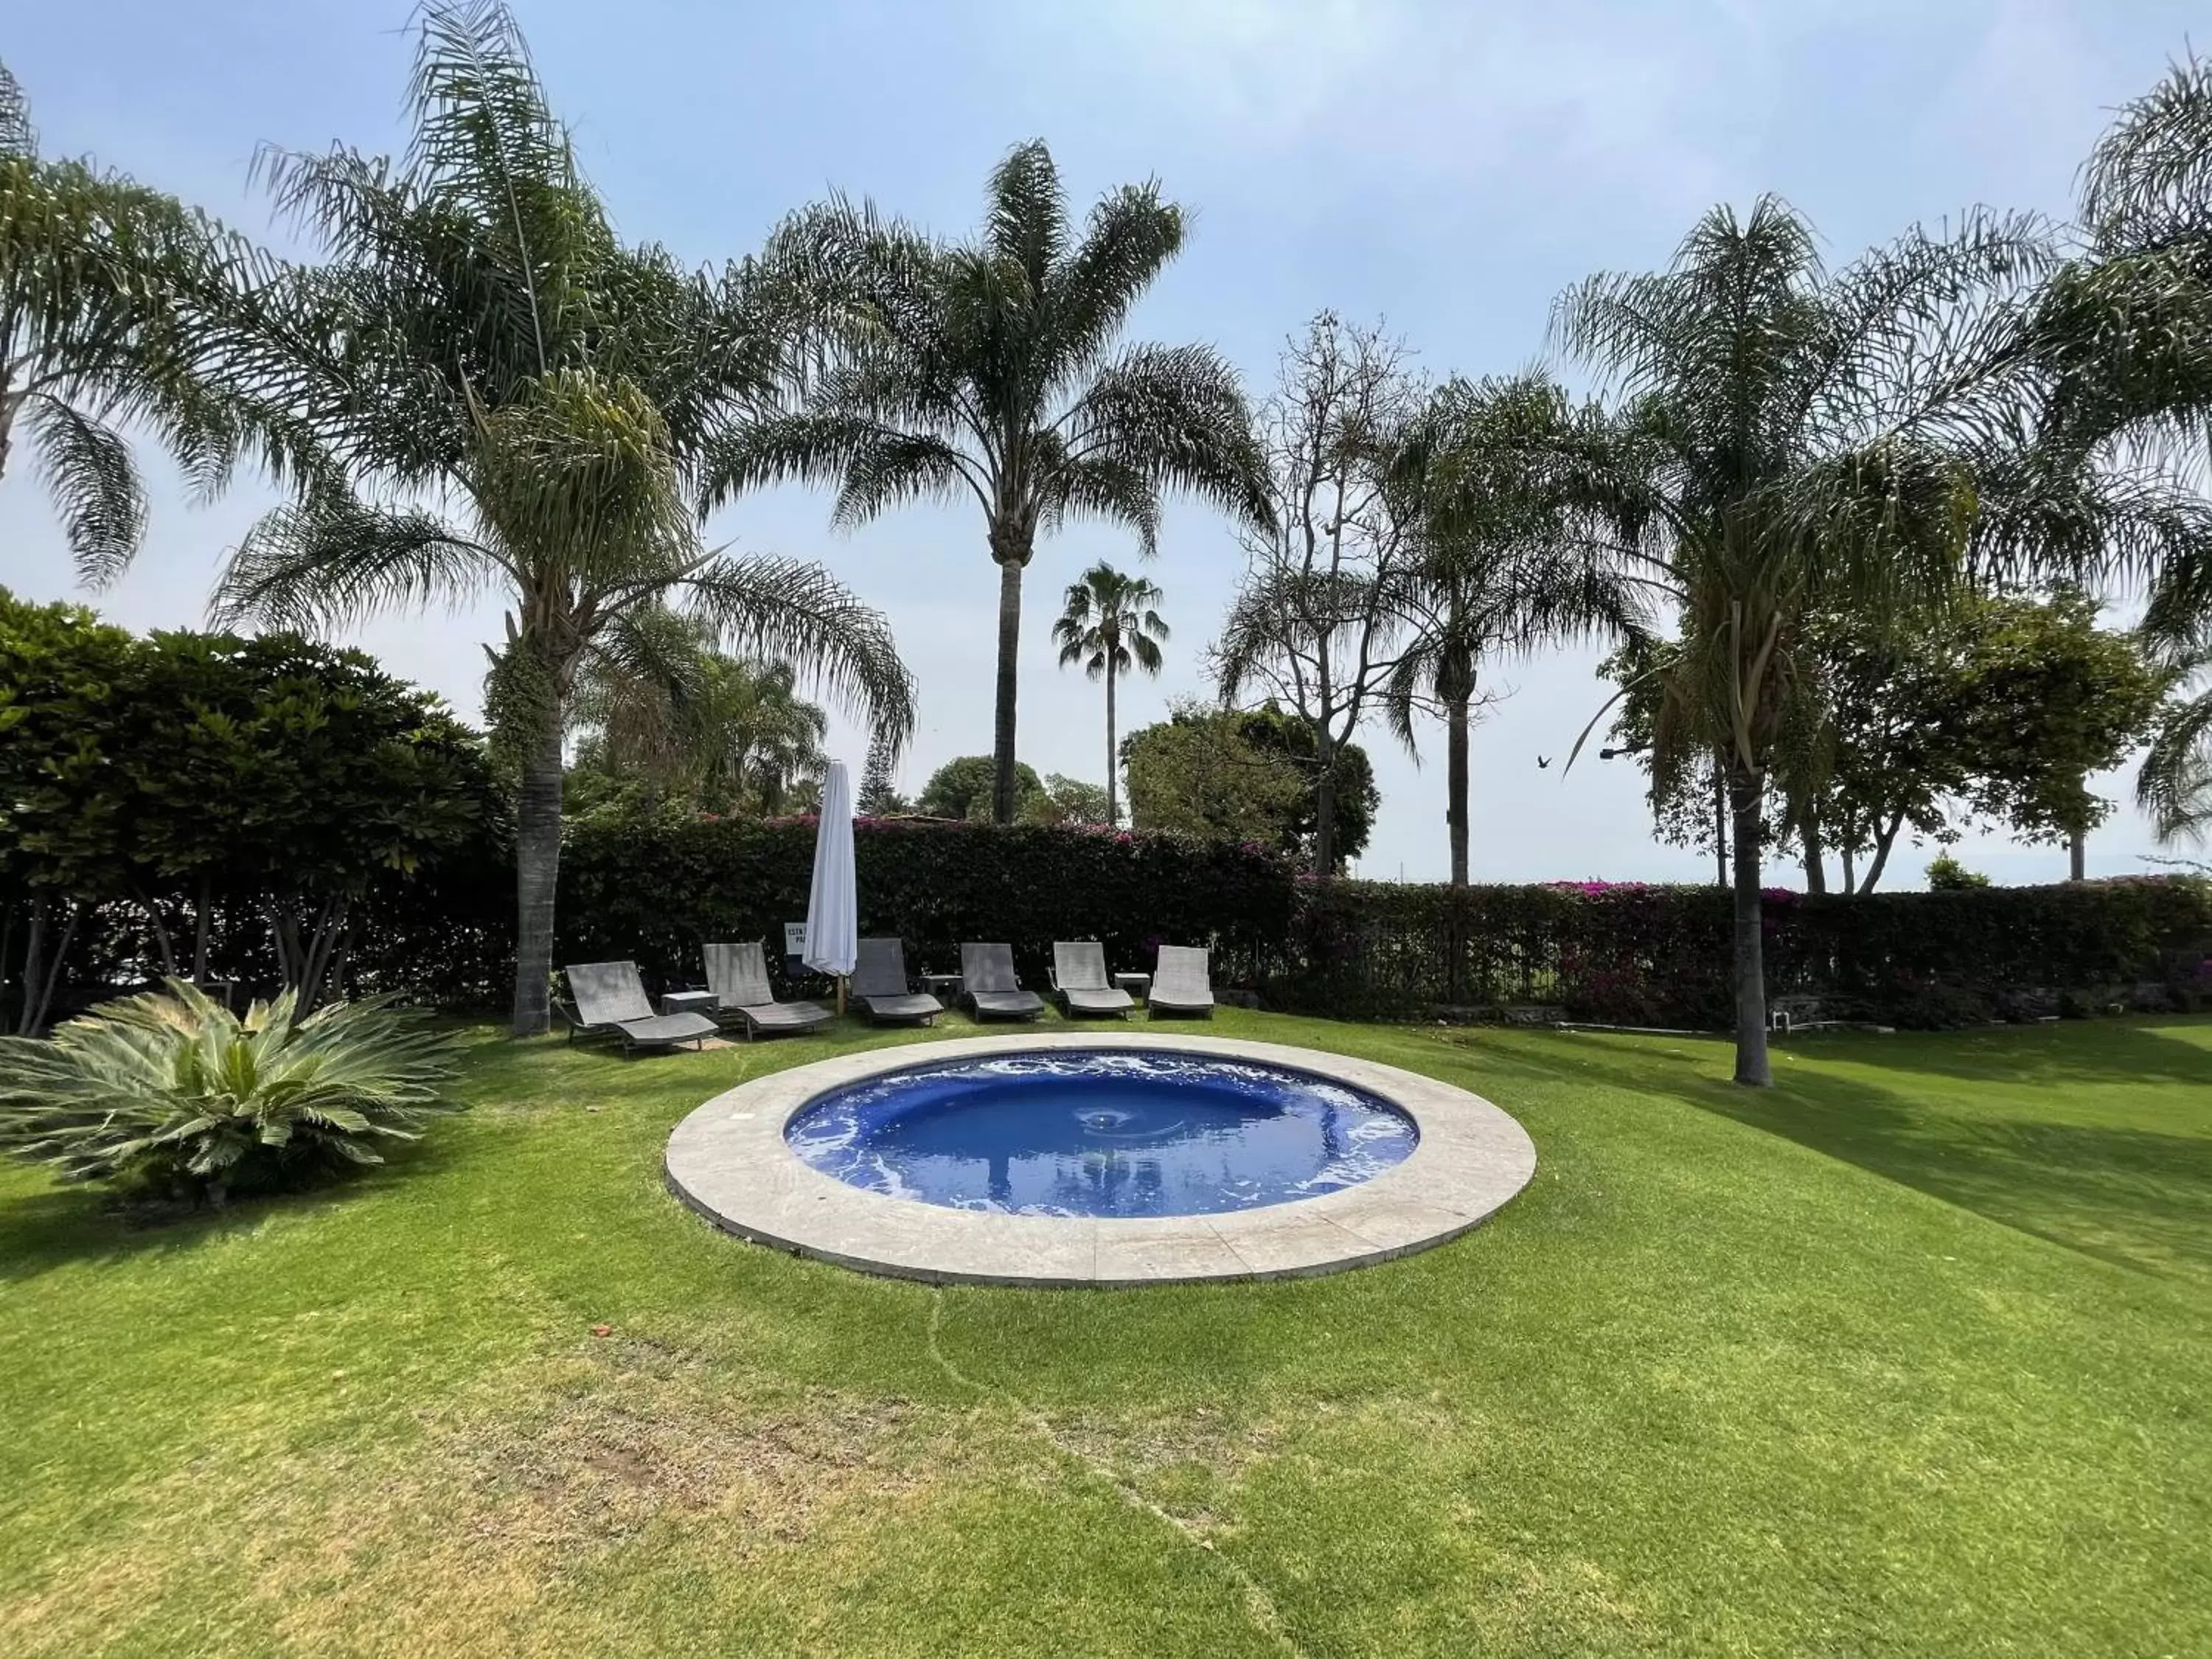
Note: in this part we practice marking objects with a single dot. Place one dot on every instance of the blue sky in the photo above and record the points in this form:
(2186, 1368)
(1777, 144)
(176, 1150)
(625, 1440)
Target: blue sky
(1447, 167)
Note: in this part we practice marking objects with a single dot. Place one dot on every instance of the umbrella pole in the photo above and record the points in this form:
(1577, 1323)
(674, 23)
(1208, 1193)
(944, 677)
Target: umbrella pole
(840, 995)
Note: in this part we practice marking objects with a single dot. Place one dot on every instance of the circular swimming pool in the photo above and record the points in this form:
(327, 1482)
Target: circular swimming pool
(1100, 1132)
(1097, 1158)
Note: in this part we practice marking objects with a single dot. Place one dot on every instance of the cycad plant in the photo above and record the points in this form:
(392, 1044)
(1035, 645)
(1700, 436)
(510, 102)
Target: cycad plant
(1792, 441)
(478, 338)
(990, 370)
(99, 276)
(1111, 623)
(171, 1094)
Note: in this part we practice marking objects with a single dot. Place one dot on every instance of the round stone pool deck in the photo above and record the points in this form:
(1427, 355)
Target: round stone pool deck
(729, 1161)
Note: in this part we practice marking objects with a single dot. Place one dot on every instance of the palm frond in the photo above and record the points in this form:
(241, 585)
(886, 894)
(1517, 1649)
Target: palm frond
(1177, 417)
(785, 610)
(2174, 787)
(1130, 239)
(2151, 174)
(1025, 229)
(331, 561)
(17, 137)
(88, 470)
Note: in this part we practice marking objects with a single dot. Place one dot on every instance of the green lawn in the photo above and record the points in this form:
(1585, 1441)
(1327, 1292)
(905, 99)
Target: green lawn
(1912, 1355)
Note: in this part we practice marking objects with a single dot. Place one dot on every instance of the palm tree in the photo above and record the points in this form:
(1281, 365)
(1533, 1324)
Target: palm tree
(989, 369)
(717, 731)
(1792, 441)
(1507, 561)
(1111, 622)
(97, 328)
(479, 336)
(2123, 336)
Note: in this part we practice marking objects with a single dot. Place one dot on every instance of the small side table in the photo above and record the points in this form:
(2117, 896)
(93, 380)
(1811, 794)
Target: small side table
(689, 1002)
(1138, 986)
(945, 987)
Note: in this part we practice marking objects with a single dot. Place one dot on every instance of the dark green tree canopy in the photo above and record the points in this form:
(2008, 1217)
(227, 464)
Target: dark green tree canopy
(961, 788)
(1995, 715)
(1246, 775)
(271, 774)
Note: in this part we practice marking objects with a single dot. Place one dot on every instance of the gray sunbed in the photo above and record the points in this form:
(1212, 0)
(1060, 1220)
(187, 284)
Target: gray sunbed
(610, 1000)
(988, 987)
(738, 975)
(1180, 982)
(1078, 975)
(879, 984)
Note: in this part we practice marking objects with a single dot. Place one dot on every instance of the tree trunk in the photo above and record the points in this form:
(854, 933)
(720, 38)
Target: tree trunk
(1005, 799)
(1455, 785)
(1883, 841)
(42, 980)
(1808, 831)
(1324, 853)
(162, 942)
(1850, 878)
(1112, 798)
(537, 876)
(200, 935)
(2077, 856)
(1751, 1063)
(1720, 825)
(35, 941)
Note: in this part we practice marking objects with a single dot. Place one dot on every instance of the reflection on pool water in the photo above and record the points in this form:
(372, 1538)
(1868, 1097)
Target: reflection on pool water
(1101, 1132)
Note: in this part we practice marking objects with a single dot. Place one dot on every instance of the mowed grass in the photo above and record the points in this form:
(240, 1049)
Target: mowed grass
(1912, 1355)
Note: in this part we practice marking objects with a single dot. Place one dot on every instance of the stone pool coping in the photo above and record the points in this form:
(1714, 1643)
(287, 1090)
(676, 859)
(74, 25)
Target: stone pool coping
(729, 1161)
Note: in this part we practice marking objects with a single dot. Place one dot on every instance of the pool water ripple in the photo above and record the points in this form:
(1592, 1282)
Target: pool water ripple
(1101, 1132)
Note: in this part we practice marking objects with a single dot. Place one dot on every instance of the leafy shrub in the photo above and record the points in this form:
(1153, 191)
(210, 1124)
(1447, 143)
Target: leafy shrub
(171, 1094)
(1946, 875)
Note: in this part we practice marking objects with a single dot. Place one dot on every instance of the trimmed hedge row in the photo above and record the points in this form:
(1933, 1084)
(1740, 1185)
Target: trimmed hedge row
(1630, 954)
(655, 889)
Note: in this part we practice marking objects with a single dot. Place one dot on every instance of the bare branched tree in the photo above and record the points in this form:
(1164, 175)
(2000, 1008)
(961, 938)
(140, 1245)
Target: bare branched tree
(1317, 624)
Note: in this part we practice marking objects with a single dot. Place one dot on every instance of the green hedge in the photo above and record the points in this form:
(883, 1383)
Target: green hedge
(655, 889)
(1631, 954)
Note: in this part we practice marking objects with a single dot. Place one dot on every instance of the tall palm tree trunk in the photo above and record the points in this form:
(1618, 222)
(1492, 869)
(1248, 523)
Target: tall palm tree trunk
(1003, 798)
(1750, 957)
(537, 877)
(1113, 799)
(1455, 785)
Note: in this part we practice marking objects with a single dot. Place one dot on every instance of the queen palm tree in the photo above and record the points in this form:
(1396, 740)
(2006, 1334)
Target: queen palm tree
(1792, 441)
(2123, 336)
(1111, 623)
(97, 328)
(1508, 558)
(479, 338)
(989, 369)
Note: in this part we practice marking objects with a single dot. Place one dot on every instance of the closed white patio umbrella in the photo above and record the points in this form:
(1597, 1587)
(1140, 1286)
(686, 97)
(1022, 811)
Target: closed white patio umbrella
(833, 928)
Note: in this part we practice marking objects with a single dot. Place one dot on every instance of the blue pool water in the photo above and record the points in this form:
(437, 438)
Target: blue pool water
(1101, 1132)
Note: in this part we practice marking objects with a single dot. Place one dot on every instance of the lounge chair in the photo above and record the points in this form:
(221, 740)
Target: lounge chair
(738, 975)
(1079, 979)
(988, 987)
(1180, 982)
(879, 984)
(610, 1000)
